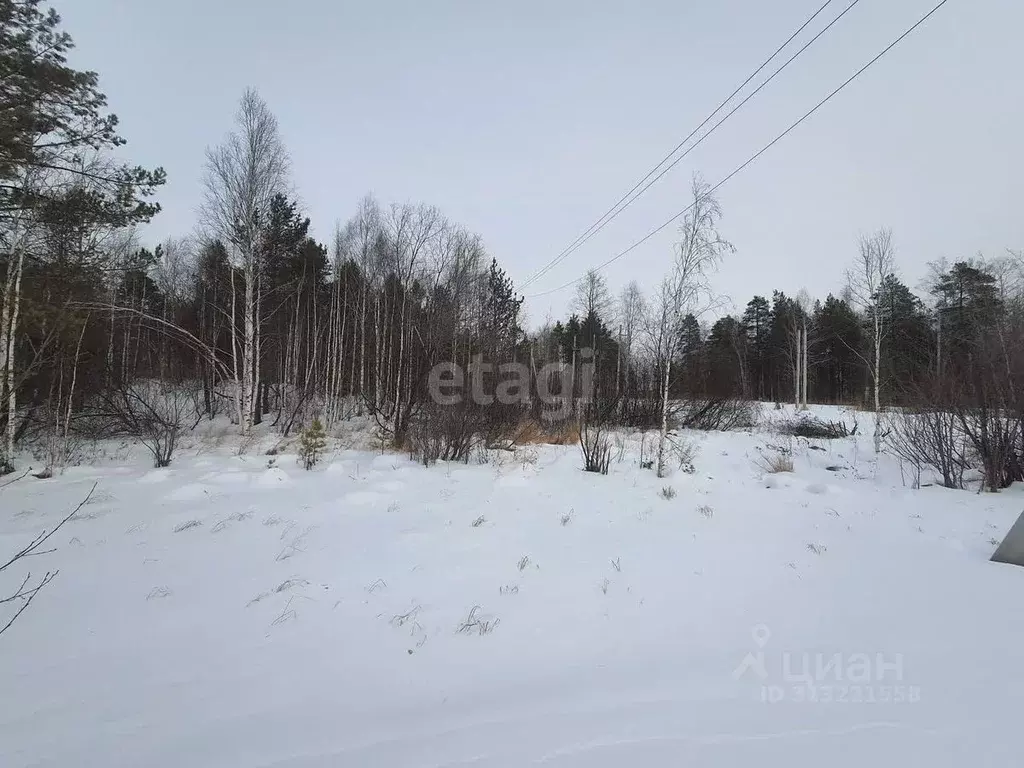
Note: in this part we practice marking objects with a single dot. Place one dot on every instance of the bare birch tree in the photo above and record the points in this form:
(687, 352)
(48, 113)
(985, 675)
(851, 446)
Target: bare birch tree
(242, 175)
(592, 296)
(698, 251)
(875, 262)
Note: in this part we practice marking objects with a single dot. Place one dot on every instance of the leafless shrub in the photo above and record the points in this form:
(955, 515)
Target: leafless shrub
(640, 412)
(685, 452)
(930, 437)
(814, 428)
(61, 446)
(28, 589)
(155, 412)
(502, 425)
(596, 450)
(246, 443)
(594, 440)
(527, 457)
(716, 414)
(482, 455)
(445, 432)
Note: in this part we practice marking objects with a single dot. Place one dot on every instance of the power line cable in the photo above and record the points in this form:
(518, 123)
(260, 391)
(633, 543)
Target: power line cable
(758, 154)
(629, 197)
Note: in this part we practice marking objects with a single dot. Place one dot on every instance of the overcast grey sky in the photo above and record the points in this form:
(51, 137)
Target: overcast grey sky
(526, 120)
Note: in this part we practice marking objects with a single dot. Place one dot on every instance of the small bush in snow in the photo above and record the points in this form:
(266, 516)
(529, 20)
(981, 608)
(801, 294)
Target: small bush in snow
(446, 432)
(523, 562)
(685, 452)
(186, 525)
(815, 429)
(246, 443)
(706, 511)
(312, 444)
(596, 448)
(155, 412)
(479, 521)
(668, 492)
(717, 414)
(930, 437)
(566, 518)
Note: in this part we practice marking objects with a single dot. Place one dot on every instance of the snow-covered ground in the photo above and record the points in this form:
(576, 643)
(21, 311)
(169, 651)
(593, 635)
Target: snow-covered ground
(374, 612)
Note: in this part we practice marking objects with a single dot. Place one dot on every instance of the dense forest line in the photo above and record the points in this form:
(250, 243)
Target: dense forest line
(250, 317)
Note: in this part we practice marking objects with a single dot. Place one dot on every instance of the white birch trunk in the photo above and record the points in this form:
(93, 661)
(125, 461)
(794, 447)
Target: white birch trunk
(8, 334)
(805, 366)
(234, 351)
(663, 436)
(248, 344)
(877, 372)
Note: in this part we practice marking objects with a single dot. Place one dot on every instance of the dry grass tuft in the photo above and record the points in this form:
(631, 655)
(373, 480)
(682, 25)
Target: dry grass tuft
(531, 431)
(775, 463)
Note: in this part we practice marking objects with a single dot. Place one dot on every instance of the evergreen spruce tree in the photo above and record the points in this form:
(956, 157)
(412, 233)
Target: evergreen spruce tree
(312, 444)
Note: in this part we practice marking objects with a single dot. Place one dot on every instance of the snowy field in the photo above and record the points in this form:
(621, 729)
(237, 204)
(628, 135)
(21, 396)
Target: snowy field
(519, 612)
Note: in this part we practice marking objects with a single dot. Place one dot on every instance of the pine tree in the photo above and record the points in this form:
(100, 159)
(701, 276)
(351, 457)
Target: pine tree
(500, 328)
(53, 118)
(757, 320)
(691, 353)
(312, 444)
